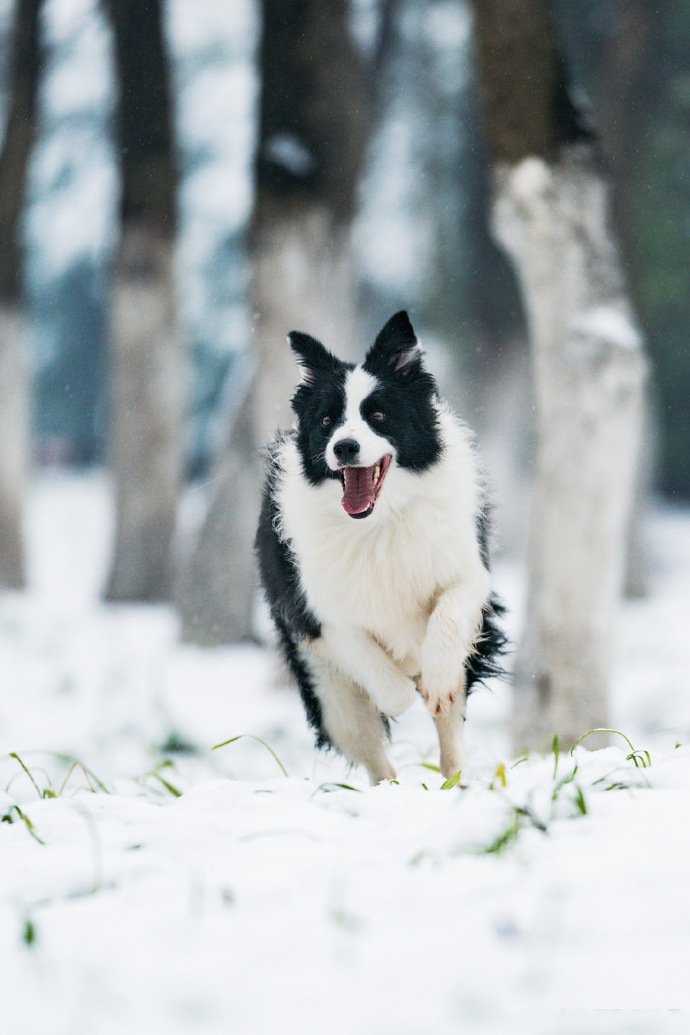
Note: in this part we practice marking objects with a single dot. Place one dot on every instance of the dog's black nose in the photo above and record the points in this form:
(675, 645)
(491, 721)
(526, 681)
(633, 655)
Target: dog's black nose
(347, 450)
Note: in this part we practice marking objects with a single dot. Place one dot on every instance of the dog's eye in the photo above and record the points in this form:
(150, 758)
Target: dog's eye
(326, 422)
(378, 416)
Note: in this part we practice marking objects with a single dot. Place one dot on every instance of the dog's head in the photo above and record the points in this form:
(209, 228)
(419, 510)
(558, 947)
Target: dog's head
(372, 428)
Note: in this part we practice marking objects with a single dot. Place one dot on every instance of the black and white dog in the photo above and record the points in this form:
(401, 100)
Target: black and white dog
(372, 550)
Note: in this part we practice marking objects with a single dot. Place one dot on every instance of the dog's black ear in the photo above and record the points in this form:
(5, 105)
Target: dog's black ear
(311, 355)
(396, 345)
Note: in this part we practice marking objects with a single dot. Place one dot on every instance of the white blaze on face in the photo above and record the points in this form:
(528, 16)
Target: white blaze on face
(358, 386)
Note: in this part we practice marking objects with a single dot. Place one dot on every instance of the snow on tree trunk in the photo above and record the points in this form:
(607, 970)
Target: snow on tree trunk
(551, 214)
(312, 133)
(19, 133)
(145, 363)
(14, 444)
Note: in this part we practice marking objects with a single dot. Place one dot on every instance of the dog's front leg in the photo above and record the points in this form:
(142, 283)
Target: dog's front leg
(450, 636)
(360, 657)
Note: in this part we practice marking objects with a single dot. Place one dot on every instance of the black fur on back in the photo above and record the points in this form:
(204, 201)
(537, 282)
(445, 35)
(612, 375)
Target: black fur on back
(492, 643)
(289, 610)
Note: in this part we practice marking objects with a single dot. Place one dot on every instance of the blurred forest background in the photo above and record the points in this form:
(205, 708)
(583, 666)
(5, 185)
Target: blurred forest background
(182, 182)
(421, 230)
(151, 253)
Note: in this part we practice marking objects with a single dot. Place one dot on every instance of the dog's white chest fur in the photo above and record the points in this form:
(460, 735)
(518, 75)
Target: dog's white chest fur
(384, 574)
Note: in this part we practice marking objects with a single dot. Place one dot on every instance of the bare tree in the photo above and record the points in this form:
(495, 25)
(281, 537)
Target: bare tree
(144, 357)
(20, 131)
(551, 215)
(313, 128)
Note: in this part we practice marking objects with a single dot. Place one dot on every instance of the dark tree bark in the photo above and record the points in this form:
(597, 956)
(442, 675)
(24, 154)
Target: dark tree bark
(551, 214)
(626, 92)
(20, 132)
(145, 361)
(624, 96)
(313, 127)
(522, 82)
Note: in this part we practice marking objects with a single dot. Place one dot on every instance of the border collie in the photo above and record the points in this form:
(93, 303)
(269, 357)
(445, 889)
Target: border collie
(372, 549)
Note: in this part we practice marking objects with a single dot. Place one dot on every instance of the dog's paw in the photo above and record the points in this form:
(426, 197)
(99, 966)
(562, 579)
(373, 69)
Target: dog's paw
(394, 695)
(441, 686)
(438, 700)
(442, 681)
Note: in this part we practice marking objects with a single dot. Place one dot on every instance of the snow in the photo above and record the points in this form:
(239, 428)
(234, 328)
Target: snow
(286, 150)
(530, 179)
(258, 901)
(449, 26)
(609, 324)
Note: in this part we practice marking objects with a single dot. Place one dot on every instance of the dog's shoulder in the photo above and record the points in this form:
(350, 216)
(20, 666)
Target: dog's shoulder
(268, 535)
(274, 458)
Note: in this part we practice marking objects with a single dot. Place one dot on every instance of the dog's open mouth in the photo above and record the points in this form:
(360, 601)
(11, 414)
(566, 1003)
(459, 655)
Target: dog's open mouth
(361, 487)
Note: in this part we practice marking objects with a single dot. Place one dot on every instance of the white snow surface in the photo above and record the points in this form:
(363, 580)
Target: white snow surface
(259, 902)
(609, 324)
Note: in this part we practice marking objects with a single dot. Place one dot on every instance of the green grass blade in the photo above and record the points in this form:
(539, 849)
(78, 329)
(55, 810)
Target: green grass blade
(170, 787)
(500, 777)
(602, 729)
(556, 748)
(15, 756)
(7, 818)
(251, 736)
(329, 786)
(29, 932)
(581, 802)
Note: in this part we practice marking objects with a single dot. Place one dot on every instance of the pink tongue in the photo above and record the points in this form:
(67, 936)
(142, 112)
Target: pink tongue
(359, 492)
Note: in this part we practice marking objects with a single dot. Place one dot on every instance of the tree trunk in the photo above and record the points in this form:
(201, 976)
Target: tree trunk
(314, 120)
(14, 444)
(626, 94)
(212, 610)
(551, 215)
(19, 136)
(302, 277)
(312, 132)
(145, 420)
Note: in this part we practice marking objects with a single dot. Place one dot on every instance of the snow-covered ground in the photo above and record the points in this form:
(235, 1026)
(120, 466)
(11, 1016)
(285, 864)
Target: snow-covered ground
(160, 886)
